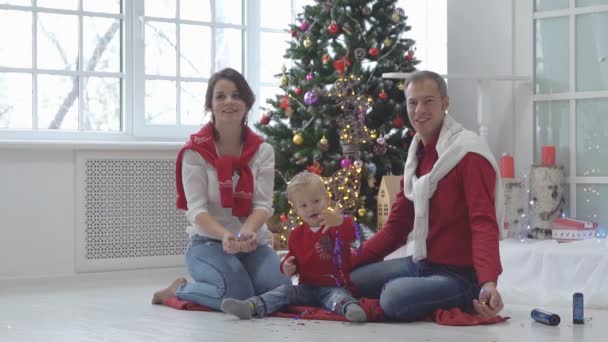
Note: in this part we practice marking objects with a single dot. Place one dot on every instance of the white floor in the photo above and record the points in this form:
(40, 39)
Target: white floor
(116, 307)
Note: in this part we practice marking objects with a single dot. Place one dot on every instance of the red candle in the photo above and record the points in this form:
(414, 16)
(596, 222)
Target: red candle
(507, 168)
(548, 155)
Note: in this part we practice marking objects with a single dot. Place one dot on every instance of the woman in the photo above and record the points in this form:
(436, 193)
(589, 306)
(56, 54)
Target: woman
(225, 178)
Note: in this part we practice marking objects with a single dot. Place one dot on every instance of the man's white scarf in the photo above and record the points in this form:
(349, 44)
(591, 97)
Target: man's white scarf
(453, 144)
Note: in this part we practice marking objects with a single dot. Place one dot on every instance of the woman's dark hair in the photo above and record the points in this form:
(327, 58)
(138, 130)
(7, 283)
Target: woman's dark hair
(241, 85)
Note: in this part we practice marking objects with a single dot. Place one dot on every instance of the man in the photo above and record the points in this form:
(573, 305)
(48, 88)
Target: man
(449, 205)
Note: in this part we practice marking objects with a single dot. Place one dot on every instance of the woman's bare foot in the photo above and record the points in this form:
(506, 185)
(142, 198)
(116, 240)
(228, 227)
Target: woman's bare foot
(160, 296)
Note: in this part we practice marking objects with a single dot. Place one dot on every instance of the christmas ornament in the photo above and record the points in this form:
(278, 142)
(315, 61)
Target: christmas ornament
(309, 77)
(264, 120)
(401, 86)
(284, 104)
(358, 163)
(380, 147)
(333, 28)
(341, 64)
(307, 42)
(311, 98)
(283, 218)
(395, 17)
(325, 59)
(315, 168)
(373, 52)
(294, 33)
(366, 11)
(371, 168)
(371, 181)
(383, 95)
(304, 26)
(346, 163)
(298, 91)
(361, 212)
(298, 139)
(284, 82)
(410, 56)
(398, 122)
(323, 144)
(388, 42)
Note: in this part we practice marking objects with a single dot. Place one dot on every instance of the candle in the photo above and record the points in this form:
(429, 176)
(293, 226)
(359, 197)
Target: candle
(548, 155)
(507, 169)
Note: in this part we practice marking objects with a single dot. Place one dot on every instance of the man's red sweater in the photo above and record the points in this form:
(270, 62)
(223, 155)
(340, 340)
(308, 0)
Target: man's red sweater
(315, 254)
(462, 219)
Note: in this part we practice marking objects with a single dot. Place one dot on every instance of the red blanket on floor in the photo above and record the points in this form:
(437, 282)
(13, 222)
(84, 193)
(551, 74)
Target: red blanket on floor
(372, 308)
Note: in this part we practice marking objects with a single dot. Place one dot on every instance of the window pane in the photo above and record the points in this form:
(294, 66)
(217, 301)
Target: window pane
(160, 8)
(584, 3)
(192, 102)
(16, 2)
(16, 48)
(592, 52)
(228, 49)
(590, 205)
(552, 127)
(199, 10)
(57, 102)
(195, 45)
(101, 44)
(269, 10)
(101, 104)
(160, 102)
(592, 137)
(160, 49)
(229, 12)
(272, 49)
(105, 6)
(61, 4)
(551, 67)
(15, 100)
(547, 5)
(57, 41)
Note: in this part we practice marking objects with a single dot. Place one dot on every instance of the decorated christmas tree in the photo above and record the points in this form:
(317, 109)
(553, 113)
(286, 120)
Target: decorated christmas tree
(336, 116)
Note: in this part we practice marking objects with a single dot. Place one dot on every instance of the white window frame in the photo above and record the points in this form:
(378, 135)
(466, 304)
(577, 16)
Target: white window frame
(572, 95)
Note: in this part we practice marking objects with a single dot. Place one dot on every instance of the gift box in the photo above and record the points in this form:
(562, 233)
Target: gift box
(565, 229)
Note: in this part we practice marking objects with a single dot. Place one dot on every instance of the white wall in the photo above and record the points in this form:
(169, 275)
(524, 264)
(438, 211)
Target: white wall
(481, 42)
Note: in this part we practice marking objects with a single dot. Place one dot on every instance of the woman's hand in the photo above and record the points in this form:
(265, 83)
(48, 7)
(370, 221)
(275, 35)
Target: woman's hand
(247, 241)
(229, 243)
(490, 302)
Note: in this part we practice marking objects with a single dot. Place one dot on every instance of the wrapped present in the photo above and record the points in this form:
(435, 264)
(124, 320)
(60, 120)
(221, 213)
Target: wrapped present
(565, 229)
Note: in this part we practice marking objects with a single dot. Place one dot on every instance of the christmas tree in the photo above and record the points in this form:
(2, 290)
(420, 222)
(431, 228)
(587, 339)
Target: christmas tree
(336, 116)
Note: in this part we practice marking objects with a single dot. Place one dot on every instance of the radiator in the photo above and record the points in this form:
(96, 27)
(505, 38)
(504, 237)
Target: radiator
(125, 211)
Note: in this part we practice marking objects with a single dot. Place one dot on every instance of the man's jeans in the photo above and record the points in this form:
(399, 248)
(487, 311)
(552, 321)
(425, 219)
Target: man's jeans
(411, 290)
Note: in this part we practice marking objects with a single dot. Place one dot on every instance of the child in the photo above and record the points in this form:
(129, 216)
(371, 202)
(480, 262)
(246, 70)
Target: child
(319, 252)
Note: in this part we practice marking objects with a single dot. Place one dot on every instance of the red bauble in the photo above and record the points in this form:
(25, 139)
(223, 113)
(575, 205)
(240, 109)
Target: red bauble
(315, 168)
(298, 91)
(264, 120)
(294, 33)
(383, 95)
(398, 122)
(373, 52)
(283, 218)
(410, 55)
(284, 104)
(333, 28)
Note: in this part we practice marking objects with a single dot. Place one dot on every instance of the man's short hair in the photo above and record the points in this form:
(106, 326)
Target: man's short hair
(428, 75)
(304, 179)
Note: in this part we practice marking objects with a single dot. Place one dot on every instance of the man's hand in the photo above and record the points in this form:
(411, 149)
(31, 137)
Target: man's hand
(331, 218)
(289, 266)
(489, 303)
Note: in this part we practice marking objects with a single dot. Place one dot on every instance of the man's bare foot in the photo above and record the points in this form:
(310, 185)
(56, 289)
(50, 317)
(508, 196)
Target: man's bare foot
(160, 296)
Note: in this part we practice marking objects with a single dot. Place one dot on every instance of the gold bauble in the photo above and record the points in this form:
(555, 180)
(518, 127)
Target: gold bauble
(401, 86)
(298, 139)
(361, 212)
(307, 42)
(284, 81)
(323, 141)
(395, 17)
(388, 42)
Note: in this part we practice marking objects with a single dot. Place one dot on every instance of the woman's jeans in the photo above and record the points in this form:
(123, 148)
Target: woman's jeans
(411, 290)
(220, 275)
(330, 298)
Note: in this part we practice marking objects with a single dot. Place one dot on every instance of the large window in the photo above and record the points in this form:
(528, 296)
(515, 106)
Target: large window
(571, 97)
(138, 69)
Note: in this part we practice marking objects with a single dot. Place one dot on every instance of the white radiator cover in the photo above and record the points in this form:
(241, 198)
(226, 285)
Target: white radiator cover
(125, 211)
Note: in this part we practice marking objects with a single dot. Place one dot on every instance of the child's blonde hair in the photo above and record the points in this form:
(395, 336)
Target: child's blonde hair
(304, 179)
